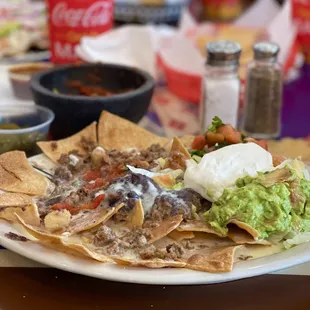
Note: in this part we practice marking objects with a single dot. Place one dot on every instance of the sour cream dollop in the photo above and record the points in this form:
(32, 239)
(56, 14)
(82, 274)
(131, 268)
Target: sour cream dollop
(220, 169)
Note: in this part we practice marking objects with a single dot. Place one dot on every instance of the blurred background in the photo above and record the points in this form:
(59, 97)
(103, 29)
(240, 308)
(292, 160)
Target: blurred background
(167, 39)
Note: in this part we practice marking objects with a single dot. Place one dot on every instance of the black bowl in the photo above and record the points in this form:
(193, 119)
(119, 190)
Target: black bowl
(74, 112)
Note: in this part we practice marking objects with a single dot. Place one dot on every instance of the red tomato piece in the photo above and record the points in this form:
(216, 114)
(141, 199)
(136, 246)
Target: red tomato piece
(97, 201)
(92, 175)
(65, 206)
(98, 183)
(199, 143)
(213, 138)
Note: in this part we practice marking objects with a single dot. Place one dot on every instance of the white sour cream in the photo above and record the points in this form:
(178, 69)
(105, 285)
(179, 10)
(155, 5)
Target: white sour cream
(220, 169)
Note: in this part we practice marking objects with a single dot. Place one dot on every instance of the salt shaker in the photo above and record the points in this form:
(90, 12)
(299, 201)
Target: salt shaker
(263, 97)
(221, 84)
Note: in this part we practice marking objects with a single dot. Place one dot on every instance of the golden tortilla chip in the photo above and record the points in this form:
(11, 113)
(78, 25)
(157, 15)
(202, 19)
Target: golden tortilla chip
(198, 226)
(165, 227)
(240, 236)
(166, 181)
(11, 203)
(39, 233)
(115, 132)
(178, 155)
(136, 217)
(85, 251)
(151, 263)
(54, 149)
(91, 219)
(181, 235)
(252, 231)
(187, 141)
(17, 175)
(220, 260)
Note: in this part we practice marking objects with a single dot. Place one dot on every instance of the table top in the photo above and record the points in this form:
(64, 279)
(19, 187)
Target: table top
(45, 288)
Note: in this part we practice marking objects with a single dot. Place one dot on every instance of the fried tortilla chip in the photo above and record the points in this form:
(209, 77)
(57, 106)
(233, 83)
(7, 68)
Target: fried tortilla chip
(115, 132)
(166, 181)
(91, 219)
(198, 226)
(17, 175)
(39, 233)
(165, 227)
(178, 155)
(252, 231)
(151, 263)
(11, 203)
(181, 235)
(187, 141)
(220, 260)
(85, 251)
(54, 149)
(240, 236)
(136, 217)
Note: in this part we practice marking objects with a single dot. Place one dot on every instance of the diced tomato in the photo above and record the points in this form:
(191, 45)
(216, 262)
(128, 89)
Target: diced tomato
(65, 206)
(262, 143)
(213, 138)
(199, 143)
(92, 175)
(231, 135)
(98, 183)
(97, 201)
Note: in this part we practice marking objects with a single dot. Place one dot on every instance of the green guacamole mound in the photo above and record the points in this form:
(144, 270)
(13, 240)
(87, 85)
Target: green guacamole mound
(274, 202)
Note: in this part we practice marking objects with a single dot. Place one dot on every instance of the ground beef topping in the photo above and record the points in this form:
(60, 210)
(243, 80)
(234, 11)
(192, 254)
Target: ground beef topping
(178, 202)
(62, 173)
(104, 236)
(172, 251)
(87, 145)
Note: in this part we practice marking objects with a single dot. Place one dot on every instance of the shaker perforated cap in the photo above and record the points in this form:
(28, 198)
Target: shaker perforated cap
(265, 50)
(223, 53)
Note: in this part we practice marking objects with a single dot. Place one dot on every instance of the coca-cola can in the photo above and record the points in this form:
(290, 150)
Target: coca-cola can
(70, 20)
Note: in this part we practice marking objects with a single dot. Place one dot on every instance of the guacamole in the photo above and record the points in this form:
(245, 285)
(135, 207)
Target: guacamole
(273, 202)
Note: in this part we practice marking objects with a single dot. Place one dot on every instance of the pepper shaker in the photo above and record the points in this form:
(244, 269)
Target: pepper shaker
(263, 96)
(221, 84)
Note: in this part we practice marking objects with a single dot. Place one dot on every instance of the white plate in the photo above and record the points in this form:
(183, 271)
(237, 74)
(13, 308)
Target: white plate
(166, 276)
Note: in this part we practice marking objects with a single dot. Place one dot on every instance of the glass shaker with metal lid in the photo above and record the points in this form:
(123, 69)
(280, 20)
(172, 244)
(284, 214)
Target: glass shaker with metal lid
(263, 97)
(221, 84)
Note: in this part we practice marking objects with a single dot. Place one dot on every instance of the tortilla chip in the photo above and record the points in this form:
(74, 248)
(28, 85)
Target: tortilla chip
(220, 260)
(115, 132)
(151, 263)
(178, 155)
(198, 226)
(11, 203)
(181, 235)
(17, 175)
(252, 231)
(187, 141)
(165, 227)
(240, 236)
(91, 219)
(54, 149)
(136, 217)
(85, 251)
(39, 233)
(166, 181)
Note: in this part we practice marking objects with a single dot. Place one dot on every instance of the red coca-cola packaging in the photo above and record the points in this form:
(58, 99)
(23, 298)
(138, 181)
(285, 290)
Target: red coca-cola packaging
(301, 18)
(70, 20)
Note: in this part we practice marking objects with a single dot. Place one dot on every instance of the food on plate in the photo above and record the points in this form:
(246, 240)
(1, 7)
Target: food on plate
(132, 198)
(93, 90)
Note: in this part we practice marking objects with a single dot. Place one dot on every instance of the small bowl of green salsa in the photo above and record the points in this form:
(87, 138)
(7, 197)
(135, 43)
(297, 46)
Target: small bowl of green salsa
(22, 126)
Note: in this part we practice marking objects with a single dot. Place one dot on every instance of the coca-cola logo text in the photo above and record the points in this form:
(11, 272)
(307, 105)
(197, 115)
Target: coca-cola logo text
(98, 14)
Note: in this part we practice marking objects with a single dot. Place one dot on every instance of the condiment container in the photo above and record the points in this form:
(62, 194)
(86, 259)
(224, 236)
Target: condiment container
(263, 96)
(221, 84)
(20, 76)
(21, 126)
